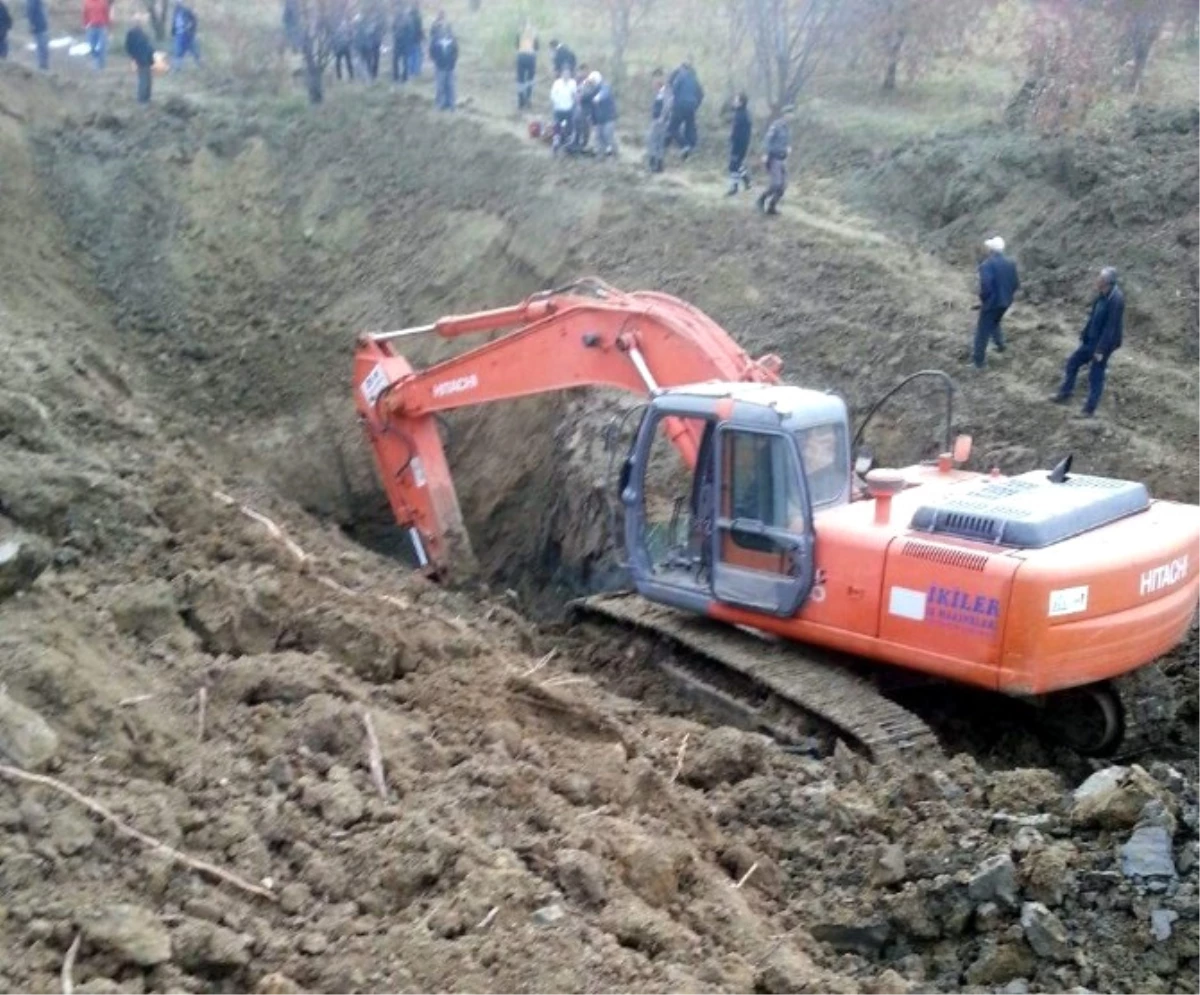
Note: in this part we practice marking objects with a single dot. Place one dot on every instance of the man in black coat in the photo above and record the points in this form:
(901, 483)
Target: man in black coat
(689, 95)
(141, 50)
(5, 28)
(403, 38)
(443, 53)
(564, 58)
(39, 27)
(998, 282)
(739, 144)
(1100, 338)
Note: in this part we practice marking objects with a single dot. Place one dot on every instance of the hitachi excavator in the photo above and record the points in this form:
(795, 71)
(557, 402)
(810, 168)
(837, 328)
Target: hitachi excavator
(779, 562)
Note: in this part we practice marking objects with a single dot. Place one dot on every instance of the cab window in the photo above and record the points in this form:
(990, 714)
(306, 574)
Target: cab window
(761, 486)
(826, 463)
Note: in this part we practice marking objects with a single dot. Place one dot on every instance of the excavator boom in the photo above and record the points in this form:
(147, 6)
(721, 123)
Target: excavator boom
(585, 335)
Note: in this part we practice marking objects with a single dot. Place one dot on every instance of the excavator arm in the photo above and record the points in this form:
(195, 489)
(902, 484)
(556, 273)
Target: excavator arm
(585, 335)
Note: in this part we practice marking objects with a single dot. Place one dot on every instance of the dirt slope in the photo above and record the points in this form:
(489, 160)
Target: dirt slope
(181, 288)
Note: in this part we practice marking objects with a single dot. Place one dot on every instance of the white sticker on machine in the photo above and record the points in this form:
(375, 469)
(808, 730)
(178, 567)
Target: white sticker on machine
(1068, 601)
(418, 471)
(374, 384)
(907, 603)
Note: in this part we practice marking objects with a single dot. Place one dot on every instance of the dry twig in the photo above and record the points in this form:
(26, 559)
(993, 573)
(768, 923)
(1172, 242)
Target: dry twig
(487, 920)
(374, 756)
(679, 759)
(137, 699)
(68, 979)
(202, 866)
(201, 713)
(541, 663)
(746, 877)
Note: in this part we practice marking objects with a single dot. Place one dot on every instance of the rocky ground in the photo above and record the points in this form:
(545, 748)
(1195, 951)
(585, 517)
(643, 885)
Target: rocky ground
(191, 638)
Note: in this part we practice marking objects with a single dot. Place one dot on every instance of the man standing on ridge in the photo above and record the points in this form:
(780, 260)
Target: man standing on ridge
(443, 53)
(183, 33)
(527, 50)
(97, 19)
(5, 28)
(416, 41)
(1100, 338)
(564, 58)
(739, 144)
(689, 95)
(141, 50)
(998, 282)
(39, 27)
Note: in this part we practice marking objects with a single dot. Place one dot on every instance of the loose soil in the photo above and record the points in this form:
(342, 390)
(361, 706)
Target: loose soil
(182, 290)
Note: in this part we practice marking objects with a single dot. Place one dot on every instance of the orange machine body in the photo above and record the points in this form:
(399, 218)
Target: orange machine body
(1023, 622)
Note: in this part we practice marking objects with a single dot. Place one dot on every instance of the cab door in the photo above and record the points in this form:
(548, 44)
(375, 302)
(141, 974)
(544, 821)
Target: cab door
(763, 541)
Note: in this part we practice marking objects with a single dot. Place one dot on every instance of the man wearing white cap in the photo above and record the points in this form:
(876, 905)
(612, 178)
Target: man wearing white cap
(998, 283)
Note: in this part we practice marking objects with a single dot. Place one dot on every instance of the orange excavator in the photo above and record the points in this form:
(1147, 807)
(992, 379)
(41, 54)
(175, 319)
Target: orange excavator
(778, 561)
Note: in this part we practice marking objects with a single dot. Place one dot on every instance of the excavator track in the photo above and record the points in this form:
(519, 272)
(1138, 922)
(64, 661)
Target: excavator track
(1148, 706)
(773, 680)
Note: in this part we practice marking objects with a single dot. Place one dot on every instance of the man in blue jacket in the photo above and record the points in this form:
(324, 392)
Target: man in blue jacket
(443, 52)
(39, 27)
(998, 282)
(689, 95)
(1101, 337)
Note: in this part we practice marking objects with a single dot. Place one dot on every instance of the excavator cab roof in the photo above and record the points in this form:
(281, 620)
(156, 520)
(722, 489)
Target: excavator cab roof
(799, 407)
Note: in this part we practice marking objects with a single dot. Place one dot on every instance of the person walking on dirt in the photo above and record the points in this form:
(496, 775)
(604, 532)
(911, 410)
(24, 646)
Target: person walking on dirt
(1100, 338)
(564, 58)
(562, 105)
(39, 27)
(97, 19)
(660, 117)
(368, 38)
(527, 50)
(778, 147)
(739, 144)
(5, 28)
(998, 283)
(293, 35)
(689, 95)
(604, 116)
(443, 53)
(140, 49)
(184, 27)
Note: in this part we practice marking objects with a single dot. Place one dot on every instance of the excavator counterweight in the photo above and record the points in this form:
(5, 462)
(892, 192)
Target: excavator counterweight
(1061, 589)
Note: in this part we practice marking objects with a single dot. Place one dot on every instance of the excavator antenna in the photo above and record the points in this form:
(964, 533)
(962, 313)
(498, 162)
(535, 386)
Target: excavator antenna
(1059, 474)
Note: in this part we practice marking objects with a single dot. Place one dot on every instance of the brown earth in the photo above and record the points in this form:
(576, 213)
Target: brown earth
(181, 292)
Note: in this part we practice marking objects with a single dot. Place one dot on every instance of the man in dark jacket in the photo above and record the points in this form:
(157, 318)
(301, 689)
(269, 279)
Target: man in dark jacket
(416, 41)
(369, 27)
(998, 282)
(5, 28)
(689, 95)
(39, 27)
(183, 31)
(778, 147)
(564, 58)
(443, 53)
(402, 35)
(739, 144)
(341, 42)
(604, 116)
(141, 50)
(1101, 337)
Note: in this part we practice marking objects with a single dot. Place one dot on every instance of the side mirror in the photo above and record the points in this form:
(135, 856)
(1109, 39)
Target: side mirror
(962, 449)
(864, 461)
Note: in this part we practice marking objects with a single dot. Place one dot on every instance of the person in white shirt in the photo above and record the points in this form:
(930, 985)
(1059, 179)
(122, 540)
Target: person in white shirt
(562, 102)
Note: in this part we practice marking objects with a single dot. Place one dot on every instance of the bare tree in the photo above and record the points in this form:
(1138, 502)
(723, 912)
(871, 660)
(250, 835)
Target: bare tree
(1141, 22)
(790, 39)
(909, 34)
(623, 17)
(317, 20)
(158, 10)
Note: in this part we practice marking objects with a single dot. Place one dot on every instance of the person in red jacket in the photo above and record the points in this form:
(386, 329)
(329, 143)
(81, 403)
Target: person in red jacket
(97, 18)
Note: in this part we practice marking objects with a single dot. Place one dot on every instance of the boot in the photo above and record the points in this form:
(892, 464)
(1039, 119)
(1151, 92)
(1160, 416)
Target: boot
(746, 178)
(733, 188)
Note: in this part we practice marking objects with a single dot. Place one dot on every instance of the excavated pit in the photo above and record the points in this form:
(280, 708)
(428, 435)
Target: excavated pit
(196, 342)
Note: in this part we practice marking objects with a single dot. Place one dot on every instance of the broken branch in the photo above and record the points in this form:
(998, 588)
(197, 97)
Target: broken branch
(201, 866)
(541, 663)
(68, 968)
(679, 759)
(374, 756)
(202, 711)
(746, 876)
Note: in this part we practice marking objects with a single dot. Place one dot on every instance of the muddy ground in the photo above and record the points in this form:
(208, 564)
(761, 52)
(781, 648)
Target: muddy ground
(182, 288)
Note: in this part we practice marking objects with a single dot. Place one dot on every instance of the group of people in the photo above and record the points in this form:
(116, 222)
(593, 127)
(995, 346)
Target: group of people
(354, 31)
(584, 107)
(97, 23)
(1102, 333)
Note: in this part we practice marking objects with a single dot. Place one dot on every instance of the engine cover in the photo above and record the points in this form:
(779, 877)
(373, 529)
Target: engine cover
(1030, 511)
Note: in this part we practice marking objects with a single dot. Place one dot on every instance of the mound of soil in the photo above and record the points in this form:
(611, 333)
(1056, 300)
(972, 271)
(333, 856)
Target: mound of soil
(186, 643)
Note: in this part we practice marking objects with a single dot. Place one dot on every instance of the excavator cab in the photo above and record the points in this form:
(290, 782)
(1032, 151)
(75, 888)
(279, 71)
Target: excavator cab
(739, 526)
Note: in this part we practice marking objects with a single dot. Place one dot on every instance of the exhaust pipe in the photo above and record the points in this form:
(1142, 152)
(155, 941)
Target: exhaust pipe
(882, 485)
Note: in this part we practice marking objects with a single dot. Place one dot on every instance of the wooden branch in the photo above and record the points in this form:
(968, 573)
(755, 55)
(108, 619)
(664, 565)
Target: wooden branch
(746, 876)
(200, 866)
(679, 759)
(374, 756)
(68, 979)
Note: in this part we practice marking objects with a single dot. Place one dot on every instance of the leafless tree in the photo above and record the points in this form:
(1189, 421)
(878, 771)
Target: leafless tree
(317, 20)
(790, 38)
(623, 17)
(1141, 23)
(158, 11)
